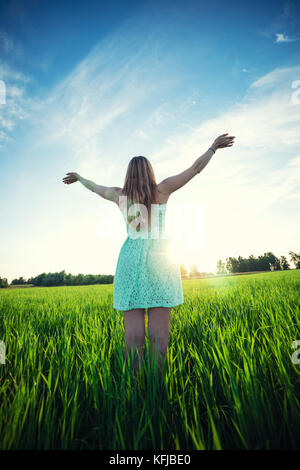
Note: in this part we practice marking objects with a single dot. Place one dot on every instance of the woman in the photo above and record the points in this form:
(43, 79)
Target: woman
(146, 277)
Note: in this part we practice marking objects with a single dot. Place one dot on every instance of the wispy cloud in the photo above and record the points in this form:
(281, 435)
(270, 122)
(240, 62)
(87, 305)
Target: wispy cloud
(16, 105)
(245, 188)
(99, 104)
(278, 75)
(9, 73)
(281, 37)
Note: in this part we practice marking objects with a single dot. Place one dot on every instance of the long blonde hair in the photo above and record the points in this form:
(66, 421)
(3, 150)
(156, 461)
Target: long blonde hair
(140, 184)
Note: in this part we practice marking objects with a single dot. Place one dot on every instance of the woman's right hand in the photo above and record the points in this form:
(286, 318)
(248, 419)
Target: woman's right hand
(223, 141)
(71, 178)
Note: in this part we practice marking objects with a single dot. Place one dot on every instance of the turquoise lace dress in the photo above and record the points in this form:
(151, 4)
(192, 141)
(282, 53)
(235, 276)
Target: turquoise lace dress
(146, 273)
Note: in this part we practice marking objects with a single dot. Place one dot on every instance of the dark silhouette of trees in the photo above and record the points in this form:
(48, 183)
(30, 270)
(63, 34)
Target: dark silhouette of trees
(232, 265)
(3, 282)
(295, 258)
(284, 265)
(63, 279)
(243, 264)
(252, 261)
(19, 281)
(266, 262)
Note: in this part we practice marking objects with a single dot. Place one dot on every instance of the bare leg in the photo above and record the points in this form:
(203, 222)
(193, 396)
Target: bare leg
(158, 327)
(134, 324)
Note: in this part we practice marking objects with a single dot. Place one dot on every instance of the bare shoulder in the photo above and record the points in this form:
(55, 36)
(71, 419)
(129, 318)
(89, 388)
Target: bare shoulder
(118, 193)
(161, 196)
(162, 193)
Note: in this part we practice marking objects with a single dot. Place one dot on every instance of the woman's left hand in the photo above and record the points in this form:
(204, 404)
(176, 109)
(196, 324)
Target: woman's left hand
(71, 178)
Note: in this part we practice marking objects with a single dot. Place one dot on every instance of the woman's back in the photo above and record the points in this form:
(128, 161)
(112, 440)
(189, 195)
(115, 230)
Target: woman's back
(138, 224)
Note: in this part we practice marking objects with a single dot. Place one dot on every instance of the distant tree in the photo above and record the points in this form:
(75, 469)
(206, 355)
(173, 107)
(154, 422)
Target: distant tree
(242, 265)
(252, 263)
(79, 279)
(68, 279)
(183, 270)
(63, 279)
(273, 260)
(38, 280)
(60, 278)
(263, 263)
(107, 279)
(221, 269)
(284, 265)
(3, 282)
(232, 265)
(19, 281)
(295, 258)
(268, 261)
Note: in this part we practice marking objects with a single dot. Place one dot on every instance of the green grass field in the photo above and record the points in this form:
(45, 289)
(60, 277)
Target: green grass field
(231, 382)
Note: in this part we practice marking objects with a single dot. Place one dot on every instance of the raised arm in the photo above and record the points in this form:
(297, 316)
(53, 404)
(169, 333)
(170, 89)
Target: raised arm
(109, 193)
(171, 184)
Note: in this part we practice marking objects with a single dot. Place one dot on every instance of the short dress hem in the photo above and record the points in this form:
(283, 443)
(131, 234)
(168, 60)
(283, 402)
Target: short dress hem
(158, 304)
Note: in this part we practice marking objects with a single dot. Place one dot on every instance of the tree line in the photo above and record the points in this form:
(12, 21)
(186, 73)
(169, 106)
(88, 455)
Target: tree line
(60, 279)
(266, 262)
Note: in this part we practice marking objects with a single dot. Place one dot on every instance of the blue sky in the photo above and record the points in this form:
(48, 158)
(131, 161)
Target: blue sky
(89, 85)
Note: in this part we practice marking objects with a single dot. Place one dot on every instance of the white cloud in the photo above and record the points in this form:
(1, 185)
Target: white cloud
(16, 105)
(271, 78)
(8, 73)
(91, 103)
(281, 37)
(14, 91)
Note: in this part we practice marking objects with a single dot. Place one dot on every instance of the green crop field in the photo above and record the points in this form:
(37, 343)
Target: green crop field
(230, 383)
